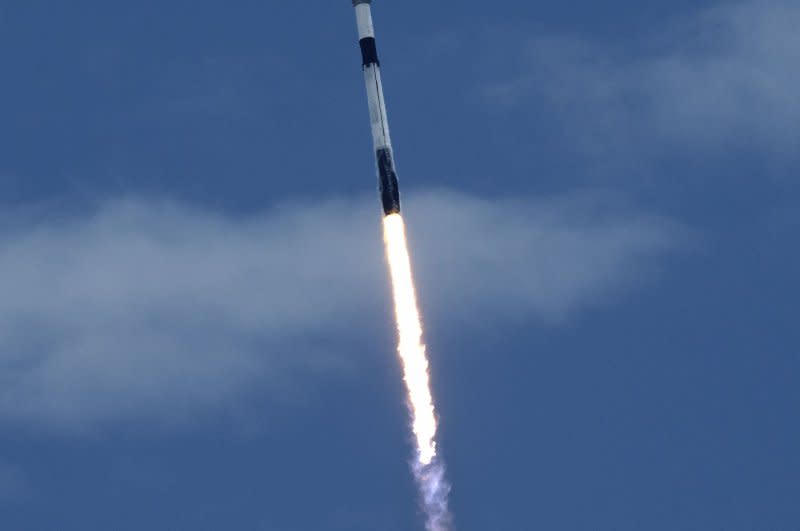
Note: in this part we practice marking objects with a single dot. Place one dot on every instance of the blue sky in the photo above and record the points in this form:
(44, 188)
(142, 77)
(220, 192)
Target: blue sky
(602, 201)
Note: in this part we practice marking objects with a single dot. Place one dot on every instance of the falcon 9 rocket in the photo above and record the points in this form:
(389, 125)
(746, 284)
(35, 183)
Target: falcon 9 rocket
(387, 176)
(427, 466)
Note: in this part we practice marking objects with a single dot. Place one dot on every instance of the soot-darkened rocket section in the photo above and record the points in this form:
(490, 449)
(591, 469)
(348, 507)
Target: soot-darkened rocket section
(387, 175)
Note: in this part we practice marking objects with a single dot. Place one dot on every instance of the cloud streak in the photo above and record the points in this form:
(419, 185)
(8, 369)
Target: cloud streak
(722, 80)
(161, 311)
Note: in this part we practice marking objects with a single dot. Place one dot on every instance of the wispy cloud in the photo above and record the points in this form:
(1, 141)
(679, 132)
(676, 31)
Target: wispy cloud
(160, 311)
(722, 80)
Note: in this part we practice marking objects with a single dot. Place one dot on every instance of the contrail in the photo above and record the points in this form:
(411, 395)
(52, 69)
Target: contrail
(427, 466)
(428, 469)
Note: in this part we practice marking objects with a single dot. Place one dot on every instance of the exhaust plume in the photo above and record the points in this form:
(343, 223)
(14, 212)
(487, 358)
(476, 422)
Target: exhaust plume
(427, 467)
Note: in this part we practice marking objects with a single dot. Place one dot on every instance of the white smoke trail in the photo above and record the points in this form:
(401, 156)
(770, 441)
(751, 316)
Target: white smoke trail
(428, 469)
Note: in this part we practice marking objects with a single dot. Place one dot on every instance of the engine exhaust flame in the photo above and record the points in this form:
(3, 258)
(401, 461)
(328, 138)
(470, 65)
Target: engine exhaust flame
(428, 469)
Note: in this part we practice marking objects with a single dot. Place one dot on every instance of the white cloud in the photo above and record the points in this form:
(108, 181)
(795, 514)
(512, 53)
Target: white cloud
(725, 79)
(532, 257)
(158, 311)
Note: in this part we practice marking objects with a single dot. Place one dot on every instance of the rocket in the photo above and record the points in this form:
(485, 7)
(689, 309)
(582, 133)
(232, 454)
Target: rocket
(387, 175)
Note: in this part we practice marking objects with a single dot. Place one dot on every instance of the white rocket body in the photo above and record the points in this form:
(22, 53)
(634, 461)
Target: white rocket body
(387, 175)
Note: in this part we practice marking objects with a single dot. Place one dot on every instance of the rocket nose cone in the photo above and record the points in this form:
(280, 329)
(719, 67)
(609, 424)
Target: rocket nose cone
(356, 2)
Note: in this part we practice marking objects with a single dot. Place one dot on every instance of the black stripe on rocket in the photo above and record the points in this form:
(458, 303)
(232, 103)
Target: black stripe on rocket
(369, 51)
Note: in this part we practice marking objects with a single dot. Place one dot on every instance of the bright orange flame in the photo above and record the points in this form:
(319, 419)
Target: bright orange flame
(410, 347)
